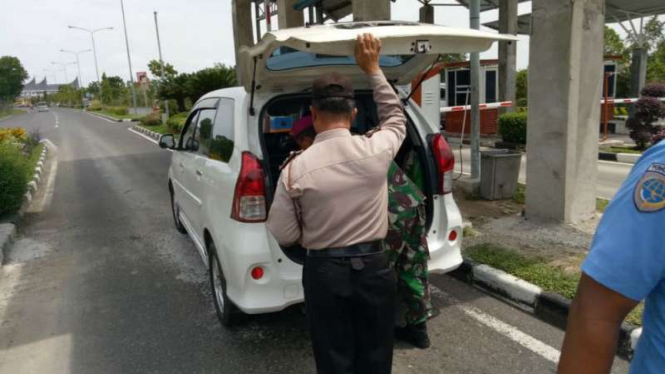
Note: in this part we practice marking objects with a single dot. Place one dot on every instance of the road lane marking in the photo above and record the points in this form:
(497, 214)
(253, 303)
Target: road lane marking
(534, 345)
(100, 117)
(146, 137)
(57, 121)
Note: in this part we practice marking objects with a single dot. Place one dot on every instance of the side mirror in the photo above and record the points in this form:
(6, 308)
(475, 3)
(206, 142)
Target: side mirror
(167, 141)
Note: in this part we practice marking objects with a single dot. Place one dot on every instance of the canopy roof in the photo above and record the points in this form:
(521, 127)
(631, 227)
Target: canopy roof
(333, 9)
(615, 11)
(486, 4)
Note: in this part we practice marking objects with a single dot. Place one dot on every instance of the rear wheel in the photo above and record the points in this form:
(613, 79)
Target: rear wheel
(227, 312)
(176, 214)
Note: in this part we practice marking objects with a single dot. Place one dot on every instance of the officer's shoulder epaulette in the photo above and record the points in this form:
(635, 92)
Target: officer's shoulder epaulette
(372, 131)
(291, 157)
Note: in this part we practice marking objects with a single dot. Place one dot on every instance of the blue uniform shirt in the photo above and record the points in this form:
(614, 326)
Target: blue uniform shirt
(628, 253)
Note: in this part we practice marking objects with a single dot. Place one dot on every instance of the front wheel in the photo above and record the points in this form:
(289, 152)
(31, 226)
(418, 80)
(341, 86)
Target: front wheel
(227, 312)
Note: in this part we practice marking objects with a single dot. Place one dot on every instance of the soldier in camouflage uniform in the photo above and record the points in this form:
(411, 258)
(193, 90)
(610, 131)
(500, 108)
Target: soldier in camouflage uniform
(406, 243)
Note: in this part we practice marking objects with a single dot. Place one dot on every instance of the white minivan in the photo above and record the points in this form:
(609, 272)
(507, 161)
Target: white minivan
(226, 161)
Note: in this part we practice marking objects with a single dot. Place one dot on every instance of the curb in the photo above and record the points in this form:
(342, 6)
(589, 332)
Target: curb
(113, 119)
(33, 185)
(549, 307)
(628, 158)
(150, 133)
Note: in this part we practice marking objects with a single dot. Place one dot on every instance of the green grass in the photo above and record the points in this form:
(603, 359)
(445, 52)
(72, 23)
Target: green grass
(622, 150)
(601, 205)
(162, 129)
(112, 115)
(11, 112)
(34, 159)
(537, 271)
(533, 270)
(520, 198)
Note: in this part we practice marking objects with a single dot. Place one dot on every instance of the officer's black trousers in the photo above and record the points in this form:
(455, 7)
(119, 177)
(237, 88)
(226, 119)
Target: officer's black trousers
(351, 313)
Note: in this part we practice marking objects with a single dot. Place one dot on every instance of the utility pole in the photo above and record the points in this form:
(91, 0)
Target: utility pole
(161, 62)
(475, 95)
(129, 58)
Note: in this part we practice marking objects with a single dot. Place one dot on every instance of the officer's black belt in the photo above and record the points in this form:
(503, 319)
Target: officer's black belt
(356, 250)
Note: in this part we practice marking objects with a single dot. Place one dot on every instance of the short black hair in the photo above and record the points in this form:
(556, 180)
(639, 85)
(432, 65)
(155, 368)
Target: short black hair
(335, 105)
(307, 133)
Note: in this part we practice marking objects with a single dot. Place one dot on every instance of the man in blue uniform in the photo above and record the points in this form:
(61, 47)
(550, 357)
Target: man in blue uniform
(626, 265)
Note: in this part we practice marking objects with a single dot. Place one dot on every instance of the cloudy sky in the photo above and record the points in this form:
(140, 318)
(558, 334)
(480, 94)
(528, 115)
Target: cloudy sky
(195, 34)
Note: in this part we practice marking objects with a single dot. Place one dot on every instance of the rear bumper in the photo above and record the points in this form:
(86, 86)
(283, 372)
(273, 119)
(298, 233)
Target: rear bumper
(445, 255)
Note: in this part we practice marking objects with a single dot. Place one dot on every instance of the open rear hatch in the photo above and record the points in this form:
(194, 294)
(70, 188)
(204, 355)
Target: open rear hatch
(294, 57)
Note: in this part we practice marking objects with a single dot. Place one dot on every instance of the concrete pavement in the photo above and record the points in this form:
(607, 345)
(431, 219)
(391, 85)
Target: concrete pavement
(100, 281)
(610, 174)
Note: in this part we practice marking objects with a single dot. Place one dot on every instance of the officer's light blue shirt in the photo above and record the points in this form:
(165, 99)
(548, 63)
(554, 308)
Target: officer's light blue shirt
(628, 253)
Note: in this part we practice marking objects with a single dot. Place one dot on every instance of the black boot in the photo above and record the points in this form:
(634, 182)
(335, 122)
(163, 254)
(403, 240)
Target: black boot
(416, 335)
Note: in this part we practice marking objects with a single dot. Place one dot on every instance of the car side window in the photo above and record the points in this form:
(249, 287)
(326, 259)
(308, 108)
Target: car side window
(190, 139)
(205, 123)
(221, 144)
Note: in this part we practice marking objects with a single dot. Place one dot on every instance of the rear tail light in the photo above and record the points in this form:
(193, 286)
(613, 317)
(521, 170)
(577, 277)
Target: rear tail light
(249, 200)
(445, 163)
(257, 273)
(452, 236)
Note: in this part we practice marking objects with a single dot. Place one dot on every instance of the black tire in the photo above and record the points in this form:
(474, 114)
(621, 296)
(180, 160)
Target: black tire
(174, 211)
(227, 312)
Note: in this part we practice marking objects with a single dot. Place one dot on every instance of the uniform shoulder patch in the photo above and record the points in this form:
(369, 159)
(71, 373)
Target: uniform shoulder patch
(291, 157)
(649, 195)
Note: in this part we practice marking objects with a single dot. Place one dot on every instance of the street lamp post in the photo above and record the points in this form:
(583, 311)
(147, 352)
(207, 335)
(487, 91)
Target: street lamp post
(94, 49)
(129, 58)
(161, 63)
(78, 65)
(64, 68)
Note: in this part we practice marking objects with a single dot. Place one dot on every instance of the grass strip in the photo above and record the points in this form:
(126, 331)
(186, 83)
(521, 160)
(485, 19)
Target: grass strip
(535, 270)
(632, 150)
(162, 129)
(34, 159)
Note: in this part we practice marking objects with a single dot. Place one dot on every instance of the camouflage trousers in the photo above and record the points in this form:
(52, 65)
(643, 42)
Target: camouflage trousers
(408, 254)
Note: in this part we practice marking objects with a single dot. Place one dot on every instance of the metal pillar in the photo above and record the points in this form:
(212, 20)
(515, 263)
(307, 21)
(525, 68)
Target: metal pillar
(371, 10)
(562, 135)
(508, 52)
(475, 95)
(161, 62)
(639, 71)
(242, 29)
(288, 17)
(129, 58)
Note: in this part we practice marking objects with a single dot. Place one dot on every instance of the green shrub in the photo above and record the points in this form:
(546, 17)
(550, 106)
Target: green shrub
(177, 122)
(118, 110)
(95, 106)
(14, 176)
(522, 103)
(512, 127)
(152, 119)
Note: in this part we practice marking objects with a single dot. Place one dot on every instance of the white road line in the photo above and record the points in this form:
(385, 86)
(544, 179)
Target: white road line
(107, 120)
(146, 137)
(57, 121)
(511, 332)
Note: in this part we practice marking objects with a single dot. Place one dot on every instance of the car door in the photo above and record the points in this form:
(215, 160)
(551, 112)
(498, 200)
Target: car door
(194, 147)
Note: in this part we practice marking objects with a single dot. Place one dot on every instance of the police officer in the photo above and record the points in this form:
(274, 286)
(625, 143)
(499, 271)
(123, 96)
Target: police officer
(626, 265)
(333, 199)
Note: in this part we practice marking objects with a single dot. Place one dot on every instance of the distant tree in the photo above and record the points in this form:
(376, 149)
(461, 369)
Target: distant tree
(522, 89)
(653, 31)
(156, 69)
(614, 45)
(175, 88)
(656, 64)
(210, 79)
(453, 57)
(641, 124)
(12, 75)
(114, 90)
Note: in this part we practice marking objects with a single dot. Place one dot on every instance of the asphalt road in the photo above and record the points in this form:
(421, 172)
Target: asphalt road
(99, 281)
(609, 178)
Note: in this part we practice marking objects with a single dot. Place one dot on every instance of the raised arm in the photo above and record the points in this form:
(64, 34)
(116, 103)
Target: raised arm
(392, 120)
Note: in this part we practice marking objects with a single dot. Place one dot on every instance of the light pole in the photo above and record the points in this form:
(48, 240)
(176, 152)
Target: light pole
(64, 68)
(55, 77)
(94, 49)
(78, 65)
(129, 58)
(161, 62)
